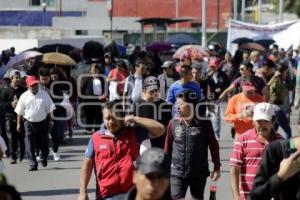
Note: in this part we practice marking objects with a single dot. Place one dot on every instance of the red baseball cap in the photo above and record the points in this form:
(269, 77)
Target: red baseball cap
(31, 80)
(248, 86)
(213, 62)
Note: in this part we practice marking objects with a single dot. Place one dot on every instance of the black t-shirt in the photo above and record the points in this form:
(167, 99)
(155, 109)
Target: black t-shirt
(159, 110)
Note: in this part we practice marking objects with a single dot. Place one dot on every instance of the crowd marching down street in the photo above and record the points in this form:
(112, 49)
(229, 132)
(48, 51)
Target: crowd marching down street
(155, 123)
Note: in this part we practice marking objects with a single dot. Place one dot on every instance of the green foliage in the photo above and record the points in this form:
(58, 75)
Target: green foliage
(289, 6)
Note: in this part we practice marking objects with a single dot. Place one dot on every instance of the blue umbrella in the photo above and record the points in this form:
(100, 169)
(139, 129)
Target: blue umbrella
(180, 39)
(122, 50)
(264, 40)
(241, 40)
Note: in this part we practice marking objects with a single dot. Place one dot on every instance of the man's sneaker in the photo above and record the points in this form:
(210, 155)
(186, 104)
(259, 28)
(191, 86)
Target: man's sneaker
(56, 157)
(33, 168)
(38, 158)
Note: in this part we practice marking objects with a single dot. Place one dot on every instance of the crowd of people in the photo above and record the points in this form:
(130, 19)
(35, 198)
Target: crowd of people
(152, 121)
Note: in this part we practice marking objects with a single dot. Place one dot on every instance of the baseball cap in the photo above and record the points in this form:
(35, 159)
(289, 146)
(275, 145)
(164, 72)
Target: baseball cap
(263, 111)
(247, 85)
(151, 83)
(154, 160)
(31, 80)
(14, 72)
(167, 64)
(214, 62)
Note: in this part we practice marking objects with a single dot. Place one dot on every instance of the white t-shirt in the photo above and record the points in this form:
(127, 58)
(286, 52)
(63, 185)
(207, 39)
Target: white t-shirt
(34, 108)
(97, 89)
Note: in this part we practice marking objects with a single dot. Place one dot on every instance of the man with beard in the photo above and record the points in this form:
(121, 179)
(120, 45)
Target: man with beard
(248, 150)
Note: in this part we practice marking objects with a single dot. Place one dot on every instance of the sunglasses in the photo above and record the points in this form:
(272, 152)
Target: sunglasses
(242, 69)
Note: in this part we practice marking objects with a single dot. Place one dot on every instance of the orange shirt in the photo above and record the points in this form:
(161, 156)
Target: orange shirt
(240, 103)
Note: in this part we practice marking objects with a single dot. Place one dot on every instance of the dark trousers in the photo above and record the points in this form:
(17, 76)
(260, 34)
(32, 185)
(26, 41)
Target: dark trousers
(57, 133)
(16, 139)
(283, 122)
(179, 187)
(93, 116)
(36, 137)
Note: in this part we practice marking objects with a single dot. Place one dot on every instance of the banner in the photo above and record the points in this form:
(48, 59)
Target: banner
(285, 34)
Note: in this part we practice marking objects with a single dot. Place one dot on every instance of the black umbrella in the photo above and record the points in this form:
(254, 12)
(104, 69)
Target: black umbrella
(60, 48)
(264, 40)
(241, 40)
(92, 50)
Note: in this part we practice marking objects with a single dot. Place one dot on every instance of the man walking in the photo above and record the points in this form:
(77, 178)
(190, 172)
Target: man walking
(35, 106)
(248, 150)
(10, 97)
(240, 107)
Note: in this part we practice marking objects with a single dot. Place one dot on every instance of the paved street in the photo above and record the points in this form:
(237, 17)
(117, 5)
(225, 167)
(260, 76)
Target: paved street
(60, 180)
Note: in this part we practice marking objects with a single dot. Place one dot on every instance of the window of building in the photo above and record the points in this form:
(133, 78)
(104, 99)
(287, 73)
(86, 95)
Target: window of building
(35, 2)
(50, 3)
(81, 32)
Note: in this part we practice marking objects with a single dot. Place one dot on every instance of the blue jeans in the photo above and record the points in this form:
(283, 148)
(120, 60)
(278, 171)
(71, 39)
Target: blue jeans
(283, 122)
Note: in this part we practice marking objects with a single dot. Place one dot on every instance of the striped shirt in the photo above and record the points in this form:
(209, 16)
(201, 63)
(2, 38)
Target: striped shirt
(247, 154)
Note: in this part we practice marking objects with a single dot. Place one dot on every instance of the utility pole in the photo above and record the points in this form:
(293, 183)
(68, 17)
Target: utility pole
(243, 10)
(109, 7)
(280, 10)
(203, 43)
(218, 15)
(259, 11)
(177, 13)
(235, 9)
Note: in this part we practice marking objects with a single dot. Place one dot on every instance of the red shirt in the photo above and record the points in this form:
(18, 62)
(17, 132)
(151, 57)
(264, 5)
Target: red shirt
(247, 154)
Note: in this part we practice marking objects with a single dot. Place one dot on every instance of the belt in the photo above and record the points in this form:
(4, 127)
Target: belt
(40, 122)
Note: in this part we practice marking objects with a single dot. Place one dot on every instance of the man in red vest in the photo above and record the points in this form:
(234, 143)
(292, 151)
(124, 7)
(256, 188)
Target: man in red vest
(112, 151)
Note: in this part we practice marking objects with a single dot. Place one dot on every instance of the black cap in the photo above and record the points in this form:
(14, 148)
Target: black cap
(154, 160)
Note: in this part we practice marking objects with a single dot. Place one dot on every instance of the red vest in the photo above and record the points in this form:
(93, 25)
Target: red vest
(114, 158)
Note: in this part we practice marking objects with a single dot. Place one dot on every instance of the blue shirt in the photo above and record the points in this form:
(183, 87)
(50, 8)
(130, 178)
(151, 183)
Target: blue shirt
(179, 87)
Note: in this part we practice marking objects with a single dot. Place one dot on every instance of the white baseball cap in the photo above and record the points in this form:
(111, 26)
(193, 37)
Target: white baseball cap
(263, 111)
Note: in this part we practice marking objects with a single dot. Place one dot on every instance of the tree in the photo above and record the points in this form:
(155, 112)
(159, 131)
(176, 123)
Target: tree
(292, 6)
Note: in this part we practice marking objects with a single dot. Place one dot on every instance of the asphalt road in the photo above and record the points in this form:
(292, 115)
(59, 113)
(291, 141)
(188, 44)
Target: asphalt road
(60, 179)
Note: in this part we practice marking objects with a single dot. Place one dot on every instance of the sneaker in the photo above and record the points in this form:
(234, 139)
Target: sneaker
(56, 157)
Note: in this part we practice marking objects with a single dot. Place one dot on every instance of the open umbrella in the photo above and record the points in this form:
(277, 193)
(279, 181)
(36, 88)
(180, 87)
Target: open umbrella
(158, 46)
(241, 40)
(252, 46)
(190, 51)
(22, 57)
(58, 59)
(180, 39)
(264, 40)
(61, 48)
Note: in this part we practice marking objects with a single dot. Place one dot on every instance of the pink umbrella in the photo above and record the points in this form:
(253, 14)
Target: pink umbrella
(190, 51)
(22, 57)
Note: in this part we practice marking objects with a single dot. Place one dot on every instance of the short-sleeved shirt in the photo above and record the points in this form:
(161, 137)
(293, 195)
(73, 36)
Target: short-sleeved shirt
(179, 87)
(134, 89)
(34, 107)
(90, 152)
(247, 154)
